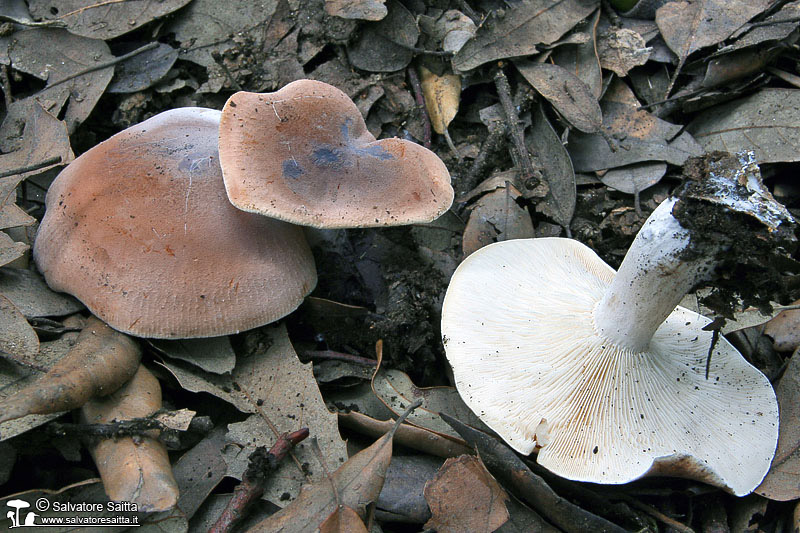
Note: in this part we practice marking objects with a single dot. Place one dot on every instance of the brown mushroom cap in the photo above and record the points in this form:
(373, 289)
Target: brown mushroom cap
(303, 154)
(139, 228)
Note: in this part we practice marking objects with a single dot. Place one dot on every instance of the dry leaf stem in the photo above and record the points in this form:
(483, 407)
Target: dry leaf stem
(519, 153)
(253, 481)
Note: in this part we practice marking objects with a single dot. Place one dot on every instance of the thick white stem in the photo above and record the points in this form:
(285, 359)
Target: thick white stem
(653, 278)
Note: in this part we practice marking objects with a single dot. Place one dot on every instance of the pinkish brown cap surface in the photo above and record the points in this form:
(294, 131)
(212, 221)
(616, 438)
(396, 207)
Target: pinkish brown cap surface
(303, 154)
(139, 228)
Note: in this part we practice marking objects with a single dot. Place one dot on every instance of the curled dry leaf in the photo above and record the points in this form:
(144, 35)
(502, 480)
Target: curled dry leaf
(413, 437)
(402, 495)
(356, 484)
(143, 70)
(566, 92)
(133, 470)
(496, 216)
(356, 9)
(101, 361)
(465, 498)
(633, 179)
(10, 250)
(453, 29)
(782, 482)
(442, 96)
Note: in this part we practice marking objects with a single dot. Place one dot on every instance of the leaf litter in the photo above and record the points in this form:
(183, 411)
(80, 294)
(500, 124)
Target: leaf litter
(694, 76)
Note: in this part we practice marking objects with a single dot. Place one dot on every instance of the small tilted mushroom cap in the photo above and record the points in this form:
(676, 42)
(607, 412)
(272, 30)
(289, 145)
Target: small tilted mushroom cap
(139, 228)
(526, 355)
(303, 154)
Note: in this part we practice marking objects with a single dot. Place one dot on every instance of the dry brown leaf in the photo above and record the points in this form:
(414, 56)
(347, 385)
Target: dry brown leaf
(343, 520)
(356, 9)
(103, 19)
(272, 383)
(582, 60)
(635, 178)
(10, 250)
(504, 463)
(557, 171)
(138, 470)
(621, 49)
(782, 482)
(517, 30)
(465, 498)
(413, 437)
(356, 483)
(566, 92)
(495, 217)
(639, 136)
(213, 354)
(30, 137)
(18, 341)
(396, 390)
(765, 122)
(29, 292)
(784, 330)
(100, 362)
(442, 96)
(69, 66)
(688, 26)
(14, 378)
(199, 470)
(384, 46)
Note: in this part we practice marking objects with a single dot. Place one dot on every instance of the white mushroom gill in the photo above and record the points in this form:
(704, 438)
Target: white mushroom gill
(543, 329)
(519, 333)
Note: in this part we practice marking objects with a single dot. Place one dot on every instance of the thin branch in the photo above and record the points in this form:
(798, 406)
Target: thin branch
(254, 479)
(106, 64)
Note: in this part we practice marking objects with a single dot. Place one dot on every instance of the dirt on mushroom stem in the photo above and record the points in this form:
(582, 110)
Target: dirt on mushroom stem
(752, 269)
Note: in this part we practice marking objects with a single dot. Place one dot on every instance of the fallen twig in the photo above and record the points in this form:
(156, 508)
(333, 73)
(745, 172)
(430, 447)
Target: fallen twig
(419, 98)
(253, 481)
(519, 154)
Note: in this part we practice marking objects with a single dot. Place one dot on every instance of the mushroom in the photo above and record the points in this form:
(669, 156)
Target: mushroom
(139, 229)
(303, 154)
(601, 372)
(14, 515)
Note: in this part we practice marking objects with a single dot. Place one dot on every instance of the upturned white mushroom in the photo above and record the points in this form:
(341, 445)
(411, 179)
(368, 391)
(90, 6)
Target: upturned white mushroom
(601, 372)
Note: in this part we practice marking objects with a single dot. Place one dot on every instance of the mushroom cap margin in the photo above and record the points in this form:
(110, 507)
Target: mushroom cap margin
(518, 330)
(303, 154)
(139, 228)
